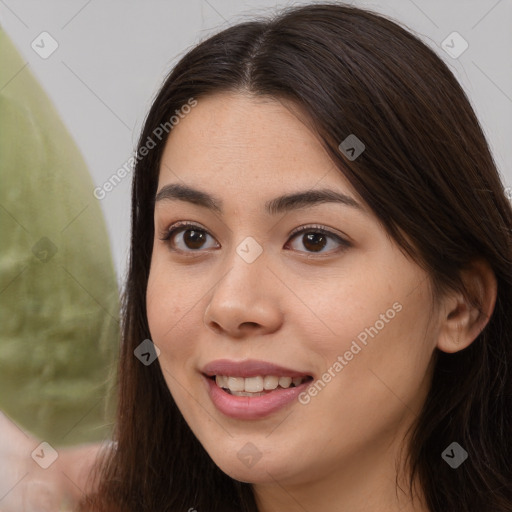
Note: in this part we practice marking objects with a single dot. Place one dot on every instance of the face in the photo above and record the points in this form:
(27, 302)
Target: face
(294, 334)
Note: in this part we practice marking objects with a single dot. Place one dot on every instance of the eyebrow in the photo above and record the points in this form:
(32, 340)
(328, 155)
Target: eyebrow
(284, 203)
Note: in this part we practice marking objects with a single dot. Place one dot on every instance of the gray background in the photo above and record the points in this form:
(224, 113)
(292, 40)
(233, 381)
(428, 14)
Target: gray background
(113, 55)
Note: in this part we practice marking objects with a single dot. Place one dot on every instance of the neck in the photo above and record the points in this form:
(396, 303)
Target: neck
(368, 480)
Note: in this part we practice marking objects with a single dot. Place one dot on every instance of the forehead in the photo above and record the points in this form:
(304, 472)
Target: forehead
(234, 141)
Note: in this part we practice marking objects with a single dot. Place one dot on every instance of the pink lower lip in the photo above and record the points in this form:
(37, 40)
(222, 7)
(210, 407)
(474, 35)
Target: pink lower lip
(251, 408)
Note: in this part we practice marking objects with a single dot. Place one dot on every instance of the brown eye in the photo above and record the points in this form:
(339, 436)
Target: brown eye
(188, 238)
(316, 239)
(314, 242)
(194, 239)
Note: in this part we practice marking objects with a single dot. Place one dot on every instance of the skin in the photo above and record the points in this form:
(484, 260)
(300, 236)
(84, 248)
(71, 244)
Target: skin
(294, 307)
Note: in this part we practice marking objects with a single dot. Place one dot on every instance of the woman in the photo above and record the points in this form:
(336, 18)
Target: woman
(321, 254)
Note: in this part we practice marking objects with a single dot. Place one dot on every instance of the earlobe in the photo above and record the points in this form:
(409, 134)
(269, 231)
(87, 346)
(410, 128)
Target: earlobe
(463, 318)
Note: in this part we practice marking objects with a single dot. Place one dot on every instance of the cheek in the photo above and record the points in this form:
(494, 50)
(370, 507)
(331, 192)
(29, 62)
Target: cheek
(351, 304)
(375, 320)
(173, 312)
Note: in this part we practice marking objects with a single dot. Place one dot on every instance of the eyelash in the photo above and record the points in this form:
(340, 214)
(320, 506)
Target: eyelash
(184, 226)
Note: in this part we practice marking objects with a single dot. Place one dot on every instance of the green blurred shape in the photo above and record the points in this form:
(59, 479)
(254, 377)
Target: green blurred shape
(59, 313)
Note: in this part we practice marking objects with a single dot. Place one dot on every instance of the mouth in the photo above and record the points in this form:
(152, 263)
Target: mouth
(251, 389)
(258, 385)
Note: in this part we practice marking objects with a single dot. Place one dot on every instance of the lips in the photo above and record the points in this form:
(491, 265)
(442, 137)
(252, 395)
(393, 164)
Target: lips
(229, 398)
(249, 368)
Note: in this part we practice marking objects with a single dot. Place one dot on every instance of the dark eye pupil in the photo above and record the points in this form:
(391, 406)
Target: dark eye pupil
(315, 241)
(194, 239)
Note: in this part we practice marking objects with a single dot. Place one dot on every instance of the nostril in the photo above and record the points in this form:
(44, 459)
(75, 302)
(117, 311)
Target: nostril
(249, 324)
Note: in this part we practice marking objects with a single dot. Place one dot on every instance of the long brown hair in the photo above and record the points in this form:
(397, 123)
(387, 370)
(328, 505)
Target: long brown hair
(427, 172)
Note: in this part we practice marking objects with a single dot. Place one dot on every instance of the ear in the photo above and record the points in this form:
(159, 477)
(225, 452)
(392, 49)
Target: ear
(464, 318)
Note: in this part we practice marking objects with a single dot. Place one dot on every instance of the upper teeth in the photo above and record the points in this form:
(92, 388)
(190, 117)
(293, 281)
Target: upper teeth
(256, 384)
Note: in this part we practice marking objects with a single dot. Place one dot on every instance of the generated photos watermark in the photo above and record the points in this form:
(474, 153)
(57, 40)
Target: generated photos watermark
(454, 455)
(44, 455)
(158, 133)
(343, 360)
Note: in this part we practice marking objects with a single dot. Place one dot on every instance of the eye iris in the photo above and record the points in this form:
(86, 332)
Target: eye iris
(315, 238)
(194, 239)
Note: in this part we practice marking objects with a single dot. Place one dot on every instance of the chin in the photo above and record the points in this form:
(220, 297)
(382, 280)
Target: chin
(249, 475)
(260, 469)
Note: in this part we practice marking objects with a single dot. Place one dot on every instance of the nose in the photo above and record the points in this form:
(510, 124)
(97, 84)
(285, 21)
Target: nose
(245, 300)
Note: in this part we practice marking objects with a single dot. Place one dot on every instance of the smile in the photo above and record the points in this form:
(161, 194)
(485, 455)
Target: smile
(250, 389)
